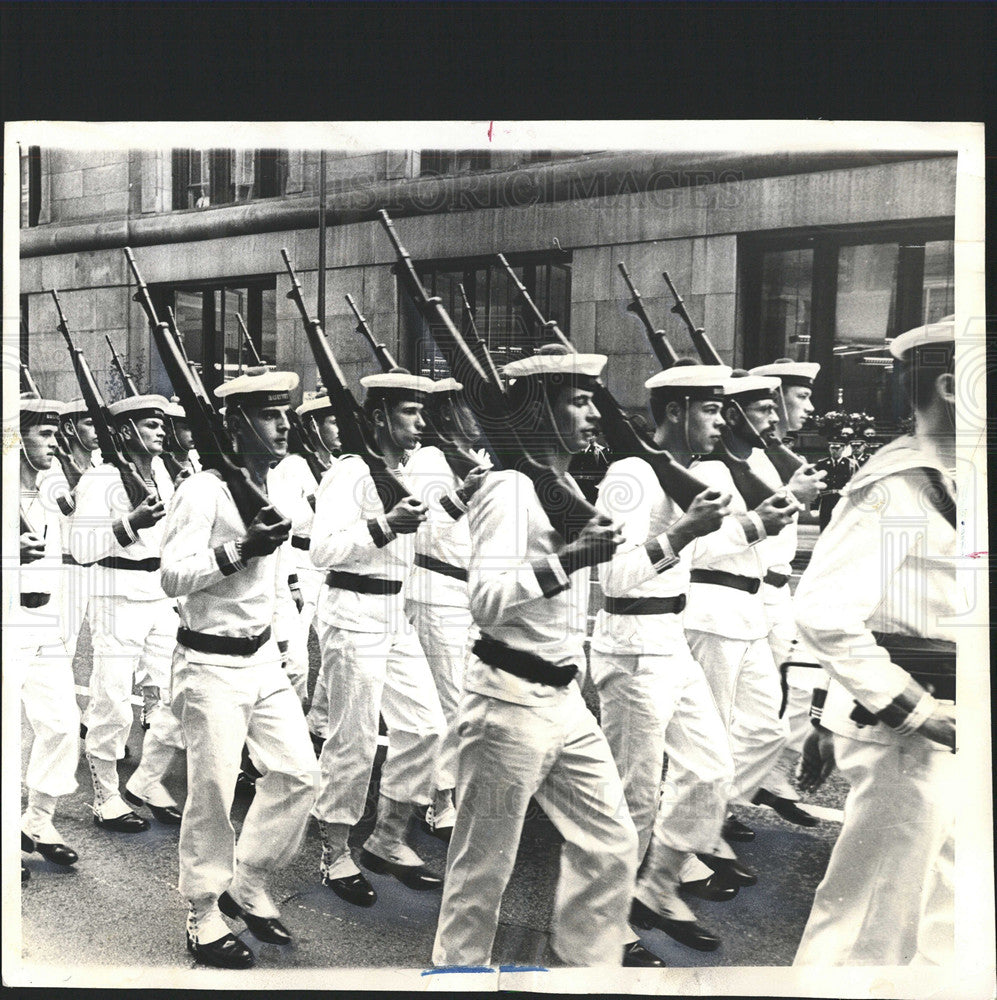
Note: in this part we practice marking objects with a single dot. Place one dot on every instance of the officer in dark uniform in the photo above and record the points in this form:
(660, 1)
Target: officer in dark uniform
(838, 471)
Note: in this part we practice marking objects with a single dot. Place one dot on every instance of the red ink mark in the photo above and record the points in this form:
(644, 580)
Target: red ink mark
(491, 125)
(976, 555)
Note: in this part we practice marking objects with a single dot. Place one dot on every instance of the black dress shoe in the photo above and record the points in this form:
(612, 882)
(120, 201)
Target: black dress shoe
(317, 742)
(129, 823)
(730, 870)
(354, 889)
(686, 932)
(169, 815)
(267, 929)
(712, 889)
(58, 854)
(226, 953)
(636, 956)
(414, 876)
(25, 874)
(245, 784)
(786, 808)
(735, 830)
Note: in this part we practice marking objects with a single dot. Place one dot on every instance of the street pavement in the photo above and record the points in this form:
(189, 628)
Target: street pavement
(120, 907)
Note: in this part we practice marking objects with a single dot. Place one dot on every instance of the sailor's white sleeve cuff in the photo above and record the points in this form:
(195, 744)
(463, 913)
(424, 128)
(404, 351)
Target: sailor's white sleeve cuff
(751, 524)
(453, 505)
(661, 553)
(550, 575)
(227, 557)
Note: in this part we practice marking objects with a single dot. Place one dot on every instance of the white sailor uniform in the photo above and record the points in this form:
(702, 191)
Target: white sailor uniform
(886, 564)
(654, 698)
(522, 738)
(371, 660)
(226, 697)
(133, 627)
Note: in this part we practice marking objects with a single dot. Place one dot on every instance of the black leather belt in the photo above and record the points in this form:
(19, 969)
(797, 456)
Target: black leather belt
(931, 662)
(141, 565)
(645, 605)
(227, 645)
(749, 584)
(439, 566)
(362, 584)
(35, 600)
(774, 579)
(528, 666)
(300, 542)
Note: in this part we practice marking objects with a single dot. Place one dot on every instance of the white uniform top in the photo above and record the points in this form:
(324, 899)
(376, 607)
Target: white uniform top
(885, 563)
(98, 531)
(444, 535)
(218, 593)
(341, 539)
(776, 551)
(518, 589)
(732, 548)
(45, 575)
(631, 494)
(293, 477)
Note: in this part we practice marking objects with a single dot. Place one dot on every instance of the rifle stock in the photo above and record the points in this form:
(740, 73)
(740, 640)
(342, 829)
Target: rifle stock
(132, 481)
(620, 434)
(486, 396)
(206, 427)
(248, 341)
(659, 341)
(28, 383)
(479, 349)
(354, 433)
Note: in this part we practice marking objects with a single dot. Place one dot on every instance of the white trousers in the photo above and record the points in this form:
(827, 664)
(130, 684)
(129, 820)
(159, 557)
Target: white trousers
(650, 706)
(133, 643)
(318, 710)
(746, 690)
(221, 709)
(887, 897)
(557, 753)
(49, 698)
(445, 634)
(368, 675)
(75, 602)
(296, 650)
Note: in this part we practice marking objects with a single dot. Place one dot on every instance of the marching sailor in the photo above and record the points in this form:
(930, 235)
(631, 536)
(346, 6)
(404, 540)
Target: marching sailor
(525, 730)
(725, 618)
(371, 658)
(877, 605)
(41, 665)
(229, 688)
(653, 697)
(131, 621)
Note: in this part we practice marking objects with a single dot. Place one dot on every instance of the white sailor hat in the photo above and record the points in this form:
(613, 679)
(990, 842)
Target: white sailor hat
(400, 380)
(447, 385)
(136, 407)
(314, 406)
(691, 381)
(556, 359)
(934, 334)
(175, 410)
(788, 372)
(258, 387)
(748, 388)
(76, 409)
(40, 411)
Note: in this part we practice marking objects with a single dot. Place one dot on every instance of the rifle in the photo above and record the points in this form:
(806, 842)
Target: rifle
(171, 322)
(621, 435)
(257, 360)
(354, 431)
(206, 426)
(135, 486)
(28, 383)
(568, 512)
(659, 341)
(752, 488)
(478, 347)
(460, 461)
(126, 380)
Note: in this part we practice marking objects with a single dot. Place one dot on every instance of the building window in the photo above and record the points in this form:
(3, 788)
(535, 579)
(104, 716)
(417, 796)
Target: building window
(205, 177)
(435, 162)
(499, 315)
(31, 186)
(207, 318)
(839, 298)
